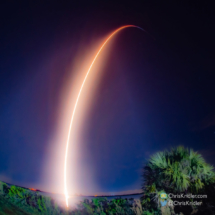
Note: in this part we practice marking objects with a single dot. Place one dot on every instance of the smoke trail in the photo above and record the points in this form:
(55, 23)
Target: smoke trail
(76, 103)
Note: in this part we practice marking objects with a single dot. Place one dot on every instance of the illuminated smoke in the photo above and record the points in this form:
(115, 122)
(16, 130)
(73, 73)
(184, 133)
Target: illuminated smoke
(76, 103)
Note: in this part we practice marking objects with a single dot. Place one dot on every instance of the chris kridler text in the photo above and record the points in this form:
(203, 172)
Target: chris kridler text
(180, 196)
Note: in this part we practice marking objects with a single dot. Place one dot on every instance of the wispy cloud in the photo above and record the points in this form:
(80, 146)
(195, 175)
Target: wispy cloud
(126, 192)
(206, 122)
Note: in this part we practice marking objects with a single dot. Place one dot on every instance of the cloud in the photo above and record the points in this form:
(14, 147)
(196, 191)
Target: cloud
(126, 192)
(204, 123)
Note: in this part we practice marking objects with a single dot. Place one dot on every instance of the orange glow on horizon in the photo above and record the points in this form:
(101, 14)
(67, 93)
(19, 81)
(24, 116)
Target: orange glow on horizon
(76, 103)
(32, 189)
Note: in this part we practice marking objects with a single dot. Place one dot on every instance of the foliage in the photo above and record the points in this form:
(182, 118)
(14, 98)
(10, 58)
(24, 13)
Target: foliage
(151, 212)
(30, 201)
(208, 206)
(41, 204)
(179, 170)
(102, 206)
(15, 191)
(34, 203)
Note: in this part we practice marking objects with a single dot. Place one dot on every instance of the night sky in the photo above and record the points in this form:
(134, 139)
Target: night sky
(157, 90)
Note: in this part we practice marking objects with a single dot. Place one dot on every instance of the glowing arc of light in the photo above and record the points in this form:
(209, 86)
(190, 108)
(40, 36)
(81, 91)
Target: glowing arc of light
(76, 103)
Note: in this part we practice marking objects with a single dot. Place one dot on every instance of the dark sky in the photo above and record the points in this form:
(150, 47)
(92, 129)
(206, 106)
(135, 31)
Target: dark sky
(157, 91)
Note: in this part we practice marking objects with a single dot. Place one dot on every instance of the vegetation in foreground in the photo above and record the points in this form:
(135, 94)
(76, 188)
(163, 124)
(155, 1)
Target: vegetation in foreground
(25, 201)
(178, 171)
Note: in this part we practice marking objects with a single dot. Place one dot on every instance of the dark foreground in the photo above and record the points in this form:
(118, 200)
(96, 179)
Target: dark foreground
(7, 208)
(17, 200)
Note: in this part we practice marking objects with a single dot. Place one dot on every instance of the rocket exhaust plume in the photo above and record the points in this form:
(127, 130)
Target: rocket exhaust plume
(76, 103)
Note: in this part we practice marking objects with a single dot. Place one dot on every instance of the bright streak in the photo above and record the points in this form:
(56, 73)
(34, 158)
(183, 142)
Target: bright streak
(76, 103)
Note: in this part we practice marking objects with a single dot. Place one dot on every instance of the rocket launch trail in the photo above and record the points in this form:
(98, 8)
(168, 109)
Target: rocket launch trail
(76, 103)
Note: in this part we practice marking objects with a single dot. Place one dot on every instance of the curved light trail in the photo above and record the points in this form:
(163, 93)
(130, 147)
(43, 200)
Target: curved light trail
(76, 103)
